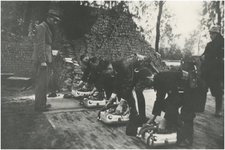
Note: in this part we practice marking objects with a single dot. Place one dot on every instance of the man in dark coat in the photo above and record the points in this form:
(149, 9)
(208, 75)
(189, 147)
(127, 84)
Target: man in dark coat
(167, 83)
(212, 68)
(195, 90)
(42, 56)
(91, 74)
(127, 78)
(85, 60)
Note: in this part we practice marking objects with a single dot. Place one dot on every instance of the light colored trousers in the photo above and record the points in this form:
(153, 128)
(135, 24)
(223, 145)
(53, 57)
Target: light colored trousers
(43, 74)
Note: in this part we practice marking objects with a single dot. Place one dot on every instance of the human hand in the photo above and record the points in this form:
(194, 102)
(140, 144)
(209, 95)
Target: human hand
(94, 92)
(118, 110)
(80, 85)
(202, 58)
(151, 121)
(140, 57)
(51, 74)
(110, 101)
(43, 64)
(162, 124)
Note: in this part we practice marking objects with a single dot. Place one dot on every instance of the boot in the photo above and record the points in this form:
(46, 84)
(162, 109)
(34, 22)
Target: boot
(219, 101)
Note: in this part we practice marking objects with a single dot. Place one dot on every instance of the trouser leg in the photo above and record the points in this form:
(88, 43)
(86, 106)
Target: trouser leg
(126, 93)
(189, 129)
(108, 92)
(52, 85)
(41, 87)
(219, 101)
(131, 103)
(216, 91)
(140, 100)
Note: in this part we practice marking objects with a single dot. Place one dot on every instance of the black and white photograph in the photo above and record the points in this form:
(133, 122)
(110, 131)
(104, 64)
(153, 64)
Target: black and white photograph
(130, 74)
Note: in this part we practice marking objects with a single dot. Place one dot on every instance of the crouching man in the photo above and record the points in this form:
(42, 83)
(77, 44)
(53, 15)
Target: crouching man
(166, 83)
(194, 89)
(126, 78)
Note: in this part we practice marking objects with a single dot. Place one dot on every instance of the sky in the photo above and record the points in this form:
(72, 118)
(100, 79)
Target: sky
(187, 14)
(187, 20)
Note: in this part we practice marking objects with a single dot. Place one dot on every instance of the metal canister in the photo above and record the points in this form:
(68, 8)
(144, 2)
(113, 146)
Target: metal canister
(162, 139)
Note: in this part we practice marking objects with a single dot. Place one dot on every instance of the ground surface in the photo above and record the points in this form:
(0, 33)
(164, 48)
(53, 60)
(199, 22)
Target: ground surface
(70, 126)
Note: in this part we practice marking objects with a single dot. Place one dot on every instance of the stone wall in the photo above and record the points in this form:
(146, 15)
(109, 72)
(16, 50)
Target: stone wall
(16, 58)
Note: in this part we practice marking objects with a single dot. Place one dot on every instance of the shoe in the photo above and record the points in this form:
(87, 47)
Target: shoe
(68, 96)
(42, 109)
(52, 95)
(184, 143)
(218, 114)
(48, 106)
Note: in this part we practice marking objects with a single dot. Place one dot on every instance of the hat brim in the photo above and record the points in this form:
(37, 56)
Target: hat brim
(51, 15)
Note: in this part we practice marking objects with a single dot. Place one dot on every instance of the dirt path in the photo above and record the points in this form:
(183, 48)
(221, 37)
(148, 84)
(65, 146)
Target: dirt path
(23, 128)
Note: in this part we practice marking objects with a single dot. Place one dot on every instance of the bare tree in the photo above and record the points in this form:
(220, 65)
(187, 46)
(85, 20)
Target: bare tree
(161, 3)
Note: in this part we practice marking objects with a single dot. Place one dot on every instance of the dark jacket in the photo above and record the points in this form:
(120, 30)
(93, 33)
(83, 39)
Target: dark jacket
(91, 75)
(123, 79)
(125, 75)
(167, 83)
(214, 54)
(86, 73)
(193, 98)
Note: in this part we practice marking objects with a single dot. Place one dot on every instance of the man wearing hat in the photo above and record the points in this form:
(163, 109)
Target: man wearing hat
(212, 68)
(42, 57)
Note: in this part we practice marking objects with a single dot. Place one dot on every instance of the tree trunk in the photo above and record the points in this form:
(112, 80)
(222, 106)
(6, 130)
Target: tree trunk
(27, 18)
(218, 13)
(158, 26)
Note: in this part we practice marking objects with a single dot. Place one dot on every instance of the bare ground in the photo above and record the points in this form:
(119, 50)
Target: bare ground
(23, 128)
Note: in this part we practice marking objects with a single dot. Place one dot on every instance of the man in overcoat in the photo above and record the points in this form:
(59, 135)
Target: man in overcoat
(42, 57)
(212, 68)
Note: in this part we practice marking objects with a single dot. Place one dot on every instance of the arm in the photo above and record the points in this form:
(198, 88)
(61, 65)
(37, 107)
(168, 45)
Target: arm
(86, 74)
(150, 121)
(80, 85)
(202, 57)
(40, 44)
(158, 105)
(112, 98)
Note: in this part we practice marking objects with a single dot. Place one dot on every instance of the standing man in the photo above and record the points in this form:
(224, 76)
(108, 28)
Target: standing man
(212, 68)
(42, 56)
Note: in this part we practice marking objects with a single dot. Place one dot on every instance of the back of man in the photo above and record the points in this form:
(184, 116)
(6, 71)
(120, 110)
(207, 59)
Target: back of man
(43, 41)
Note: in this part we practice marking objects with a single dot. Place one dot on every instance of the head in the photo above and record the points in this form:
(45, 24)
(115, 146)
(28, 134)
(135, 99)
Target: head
(84, 59)
(94, 62)
(107, 67)
(214, 32)
(190, 71)
(146, 76)
(53, 17)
